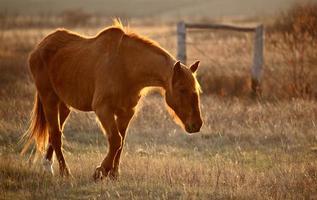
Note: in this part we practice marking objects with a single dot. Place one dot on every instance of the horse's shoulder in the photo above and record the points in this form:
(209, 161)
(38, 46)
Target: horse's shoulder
(111, 32)
(115, 30)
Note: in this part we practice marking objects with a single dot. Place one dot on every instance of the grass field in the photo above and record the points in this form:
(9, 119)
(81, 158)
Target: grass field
(247, 149)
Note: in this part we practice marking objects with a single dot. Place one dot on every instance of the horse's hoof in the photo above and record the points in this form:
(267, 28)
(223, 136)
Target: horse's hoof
(48, 166)
(66, 173)
(114, 174)
(98, 174)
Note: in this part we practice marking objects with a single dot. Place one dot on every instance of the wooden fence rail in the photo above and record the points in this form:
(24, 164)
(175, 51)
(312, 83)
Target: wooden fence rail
(257, 65)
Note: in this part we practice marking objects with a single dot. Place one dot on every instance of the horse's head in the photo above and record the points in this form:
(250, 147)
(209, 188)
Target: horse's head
(183, 96)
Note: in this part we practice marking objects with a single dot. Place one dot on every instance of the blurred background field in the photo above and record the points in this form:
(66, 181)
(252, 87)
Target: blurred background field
(248, 148)
(149, 8)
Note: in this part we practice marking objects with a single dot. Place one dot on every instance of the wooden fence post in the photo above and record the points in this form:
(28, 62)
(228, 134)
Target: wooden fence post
(181, 42)
(256, 70)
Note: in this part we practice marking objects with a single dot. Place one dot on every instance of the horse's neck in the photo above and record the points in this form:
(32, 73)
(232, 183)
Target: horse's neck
(153, 68)
(158, 72)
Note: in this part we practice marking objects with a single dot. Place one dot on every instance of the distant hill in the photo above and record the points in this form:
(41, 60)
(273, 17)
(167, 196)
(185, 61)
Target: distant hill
(146, 8)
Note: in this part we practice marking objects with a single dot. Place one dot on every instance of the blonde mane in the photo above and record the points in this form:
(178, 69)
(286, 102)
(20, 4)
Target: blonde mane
(140, 38)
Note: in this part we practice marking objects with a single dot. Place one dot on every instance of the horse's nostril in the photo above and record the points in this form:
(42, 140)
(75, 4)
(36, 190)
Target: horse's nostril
(197, 127)
(193, 128)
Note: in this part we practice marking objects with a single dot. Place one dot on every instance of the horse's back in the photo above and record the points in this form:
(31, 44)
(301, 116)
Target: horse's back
(70, 43)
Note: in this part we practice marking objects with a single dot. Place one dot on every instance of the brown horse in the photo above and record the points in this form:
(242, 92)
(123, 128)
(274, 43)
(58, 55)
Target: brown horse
(104, 74)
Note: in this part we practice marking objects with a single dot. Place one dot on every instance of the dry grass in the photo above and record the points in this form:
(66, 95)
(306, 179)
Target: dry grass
(246, 150)
(297, 44)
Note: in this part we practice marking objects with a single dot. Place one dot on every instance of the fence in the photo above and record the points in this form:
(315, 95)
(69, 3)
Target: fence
(256, 68)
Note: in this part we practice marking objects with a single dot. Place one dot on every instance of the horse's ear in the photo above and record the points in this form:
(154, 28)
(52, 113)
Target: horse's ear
(194, 66)
(176, 71)
(177, 66)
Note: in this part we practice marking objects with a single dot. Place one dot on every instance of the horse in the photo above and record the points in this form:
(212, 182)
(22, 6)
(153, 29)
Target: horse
(104, 74)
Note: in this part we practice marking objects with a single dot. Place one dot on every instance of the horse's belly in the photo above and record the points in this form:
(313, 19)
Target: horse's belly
(75, 99)
(74, 90)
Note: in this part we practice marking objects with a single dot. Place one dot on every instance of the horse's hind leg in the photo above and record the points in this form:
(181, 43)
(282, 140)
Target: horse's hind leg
(63, 112)
(50, 103)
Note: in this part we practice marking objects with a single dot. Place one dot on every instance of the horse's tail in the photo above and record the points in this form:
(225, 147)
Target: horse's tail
(38, 128)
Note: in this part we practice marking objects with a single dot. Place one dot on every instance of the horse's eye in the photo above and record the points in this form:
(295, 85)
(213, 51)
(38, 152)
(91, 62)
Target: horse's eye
(194, 95)
(182, 91)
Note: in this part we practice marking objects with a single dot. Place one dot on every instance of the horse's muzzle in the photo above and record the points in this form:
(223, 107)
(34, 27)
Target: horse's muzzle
(193, 128)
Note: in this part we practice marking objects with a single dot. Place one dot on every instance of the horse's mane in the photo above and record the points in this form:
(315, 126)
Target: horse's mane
(142, 39)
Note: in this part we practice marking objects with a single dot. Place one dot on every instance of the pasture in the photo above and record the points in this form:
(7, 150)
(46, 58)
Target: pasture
(247, 149)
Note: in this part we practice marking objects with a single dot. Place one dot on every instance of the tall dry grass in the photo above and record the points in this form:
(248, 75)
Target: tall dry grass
(245, 151)
(297, 30)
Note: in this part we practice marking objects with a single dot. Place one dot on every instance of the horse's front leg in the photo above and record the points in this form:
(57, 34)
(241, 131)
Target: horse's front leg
(123, 119)
(107, 119)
